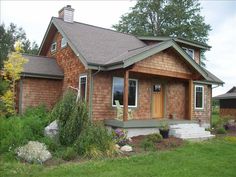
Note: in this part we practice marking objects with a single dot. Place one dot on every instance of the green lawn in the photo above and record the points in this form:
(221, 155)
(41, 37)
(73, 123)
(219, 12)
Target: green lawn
(212, 158)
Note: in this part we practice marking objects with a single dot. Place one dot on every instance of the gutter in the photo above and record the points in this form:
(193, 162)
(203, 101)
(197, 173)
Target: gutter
(44, 76)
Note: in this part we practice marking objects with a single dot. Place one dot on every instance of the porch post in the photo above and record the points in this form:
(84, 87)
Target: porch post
(125, 96)
(190, 107)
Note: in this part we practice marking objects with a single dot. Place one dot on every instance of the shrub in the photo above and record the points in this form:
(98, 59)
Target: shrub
(95, 141)
(148, 145)
(220, 130)
(155, 138)
(18, 130)
(120, 136)
(68, 154)
(72, 117)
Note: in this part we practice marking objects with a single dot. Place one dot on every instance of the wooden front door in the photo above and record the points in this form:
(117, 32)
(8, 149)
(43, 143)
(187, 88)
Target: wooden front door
(157, 102)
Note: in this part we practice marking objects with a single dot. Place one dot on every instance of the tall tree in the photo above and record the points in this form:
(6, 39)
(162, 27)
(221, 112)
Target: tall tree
(175, 18)
(9, 36)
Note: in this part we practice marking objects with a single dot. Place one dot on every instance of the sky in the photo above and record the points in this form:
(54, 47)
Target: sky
(34, 17)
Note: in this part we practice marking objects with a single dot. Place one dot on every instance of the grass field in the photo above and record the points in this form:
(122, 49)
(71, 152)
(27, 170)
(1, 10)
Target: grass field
(216, 158)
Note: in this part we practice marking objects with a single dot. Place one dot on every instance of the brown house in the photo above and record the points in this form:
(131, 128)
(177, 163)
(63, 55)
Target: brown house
(156, 77)
(227, 103)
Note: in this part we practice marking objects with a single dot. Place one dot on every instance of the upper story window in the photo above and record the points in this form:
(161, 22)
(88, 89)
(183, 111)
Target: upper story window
(199, 97)
(63, 42)
(190, 52)
(118, 91)
(53, 47)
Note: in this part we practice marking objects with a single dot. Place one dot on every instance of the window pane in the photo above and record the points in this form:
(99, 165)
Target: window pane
(83, 87)
(118, 87)
(199, 97)
(132, 92)
(118, 91)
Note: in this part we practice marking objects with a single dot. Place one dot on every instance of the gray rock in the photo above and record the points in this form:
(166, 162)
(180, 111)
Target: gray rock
(126, 148)
(51, 130)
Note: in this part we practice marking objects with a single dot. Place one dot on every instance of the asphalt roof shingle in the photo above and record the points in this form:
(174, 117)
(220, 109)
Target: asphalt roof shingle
(42, 66)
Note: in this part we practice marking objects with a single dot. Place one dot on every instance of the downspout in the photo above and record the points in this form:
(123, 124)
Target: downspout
(91, 91)
(211, 104)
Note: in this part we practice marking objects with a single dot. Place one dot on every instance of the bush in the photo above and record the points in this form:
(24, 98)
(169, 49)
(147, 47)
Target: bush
(69, 153)
(148, 145)
(120, 136)
(220, 130)
(72, 117)
(18, 130)
(95, 141)
(155, 138)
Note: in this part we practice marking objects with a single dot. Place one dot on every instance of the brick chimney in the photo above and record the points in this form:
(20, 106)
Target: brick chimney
(67, 14)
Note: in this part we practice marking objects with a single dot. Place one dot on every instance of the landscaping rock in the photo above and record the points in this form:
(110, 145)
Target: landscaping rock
(126, 148)
(51, 130)
(34, 152)
(117, 146)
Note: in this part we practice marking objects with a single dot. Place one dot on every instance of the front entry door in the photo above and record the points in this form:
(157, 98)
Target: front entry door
(157, 101)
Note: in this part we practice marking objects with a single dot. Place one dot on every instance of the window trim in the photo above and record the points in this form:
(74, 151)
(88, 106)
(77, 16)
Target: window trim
(136, 95)
(83, 76)
(185, 48)
(62, 46)
(195, 98)
(54, 43)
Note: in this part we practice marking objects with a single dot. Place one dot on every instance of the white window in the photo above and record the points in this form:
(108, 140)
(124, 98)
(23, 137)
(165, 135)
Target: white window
(118, 91)
(199, 97)
(83, 87)
(63, 42)
(190, 52)
(53, 47)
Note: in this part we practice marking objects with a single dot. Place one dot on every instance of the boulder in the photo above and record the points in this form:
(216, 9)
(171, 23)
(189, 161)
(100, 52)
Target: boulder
(51, 130)
(34, 152)
(126, 148)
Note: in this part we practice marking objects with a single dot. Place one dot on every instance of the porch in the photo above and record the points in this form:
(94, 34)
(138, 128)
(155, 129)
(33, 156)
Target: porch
(149, 123)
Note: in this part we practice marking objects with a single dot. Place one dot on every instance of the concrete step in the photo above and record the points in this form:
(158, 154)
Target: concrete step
(192, 132)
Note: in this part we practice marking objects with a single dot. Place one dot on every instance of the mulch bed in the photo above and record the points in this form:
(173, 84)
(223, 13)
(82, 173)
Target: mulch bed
(165, 144)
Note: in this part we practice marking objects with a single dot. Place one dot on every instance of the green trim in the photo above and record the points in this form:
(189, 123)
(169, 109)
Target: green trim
(151, 123)
(209, 83)
(45, 76)
(177, 39)
(145, 54)
(90, 94)
(20, 96)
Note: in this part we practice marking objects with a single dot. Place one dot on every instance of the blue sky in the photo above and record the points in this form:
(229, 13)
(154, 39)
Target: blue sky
(34, 17)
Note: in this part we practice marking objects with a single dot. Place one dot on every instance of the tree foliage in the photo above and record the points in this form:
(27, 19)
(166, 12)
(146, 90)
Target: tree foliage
(13, 67)
(176, 18)
(9, 36)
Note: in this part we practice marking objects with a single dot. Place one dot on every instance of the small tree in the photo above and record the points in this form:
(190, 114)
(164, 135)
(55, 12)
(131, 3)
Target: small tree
(13, 67)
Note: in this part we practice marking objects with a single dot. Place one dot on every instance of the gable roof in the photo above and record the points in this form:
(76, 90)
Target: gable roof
(105, 49)
(231, 94)
(42, 67)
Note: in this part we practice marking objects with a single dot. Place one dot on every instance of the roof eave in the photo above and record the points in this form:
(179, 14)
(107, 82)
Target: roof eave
(44, 76)
(184, 41)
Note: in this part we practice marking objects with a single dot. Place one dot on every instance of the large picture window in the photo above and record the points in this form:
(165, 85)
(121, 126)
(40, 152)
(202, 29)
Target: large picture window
(118, 91)
(199, 97)
(83, 87)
